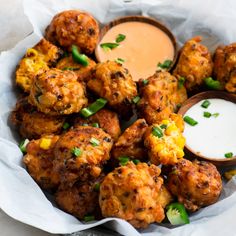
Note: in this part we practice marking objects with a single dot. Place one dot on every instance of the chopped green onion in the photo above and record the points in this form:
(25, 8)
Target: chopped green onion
(163, 126)
(66, 126)
(165, 65)
(216, 114)
(106, 46)
(123, 160)
(206, 114)
(136, 99)
(70, 68)
(85, 124)
(93, 108)
(229, 155)
(79, 58)
(89, 218)
(76, 151)
(205, 104)
(176, 214)
(190, 121)
(136, 161)
(97, 187)
(119, 61)
(94, 142)
(156, 131)
(96, 125)
(23, 145)
(181, 82)
(145, 82)
(120, 38)
(212, 84)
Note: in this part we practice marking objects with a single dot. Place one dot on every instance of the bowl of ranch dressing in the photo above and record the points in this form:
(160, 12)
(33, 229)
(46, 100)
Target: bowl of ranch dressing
(210, 127)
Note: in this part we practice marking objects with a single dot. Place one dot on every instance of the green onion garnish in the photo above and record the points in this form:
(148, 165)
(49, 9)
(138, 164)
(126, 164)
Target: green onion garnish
(190, 121)
(76, 151)
(79, 58)
(123, 160)
(94, 142)
(205, 104)
(216, 114)
(156, 131)
(119, 61)
(136, 161)
(206, 114)
(97, 187)
(212, 84)
(89, 218)
(108, 46)
(93, 108)
(163, 126)
(181, 82)
(66, 126)
(23, 145)
(145, 82)
(229, 155)
(165, 65)
(136, 99)
(120, 38)
(96, 125)
(85, 124)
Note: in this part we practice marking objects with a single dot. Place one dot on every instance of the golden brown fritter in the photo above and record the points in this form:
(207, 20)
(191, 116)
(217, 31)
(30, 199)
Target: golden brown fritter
(39, 162)
(81, 199)
(82, 72)
(36, 61)
(196, 184)
(73, 27)
(57, 92)
(131, 193)
(130, 143)
(113, 82)
(33, 124)
(81, 152)
(106, 119)
(165, 141)
(225, 66)
(194, 64)
(160, 97)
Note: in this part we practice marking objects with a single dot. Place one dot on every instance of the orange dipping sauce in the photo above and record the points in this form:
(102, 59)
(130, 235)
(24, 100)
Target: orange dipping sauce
(142, 49)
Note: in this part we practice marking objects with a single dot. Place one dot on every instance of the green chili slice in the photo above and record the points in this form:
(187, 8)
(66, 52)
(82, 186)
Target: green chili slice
(176, 214)
(145, 82)
(212, 84)
(89, 218)
(79, 58)
(165, 65)
(106, 46)
(66, 126)
(94, 142)
(23, 145)
(163, 126)
(76, 151)
(205, 104)
(190, 121)
(181, 82)
(229, 155)
(123, 160)
(119, 61)
(96, 125)
(136, 161)
(93, 108)
(156, 131)
(136, 99)
(206, 114)
(120, 38)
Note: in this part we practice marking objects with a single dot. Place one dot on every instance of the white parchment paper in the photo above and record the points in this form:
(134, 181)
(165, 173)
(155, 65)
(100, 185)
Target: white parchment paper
(20, 196)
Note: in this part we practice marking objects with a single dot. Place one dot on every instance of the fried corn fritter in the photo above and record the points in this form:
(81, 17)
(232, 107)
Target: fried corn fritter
(80, 153)
(81, 199)
(165, 142)
(160, 97)
(82, 72)
(105, 119)
(57, 92)
(39, 162)
(73, 27)
(36, 60)
(225, 66)
(33, 124)
(196, 184)
(130, 143)
(131, 193)
(113, 82)
(194, 64)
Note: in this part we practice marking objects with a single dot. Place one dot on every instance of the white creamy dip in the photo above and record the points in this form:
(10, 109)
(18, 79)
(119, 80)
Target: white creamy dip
(215, 136)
